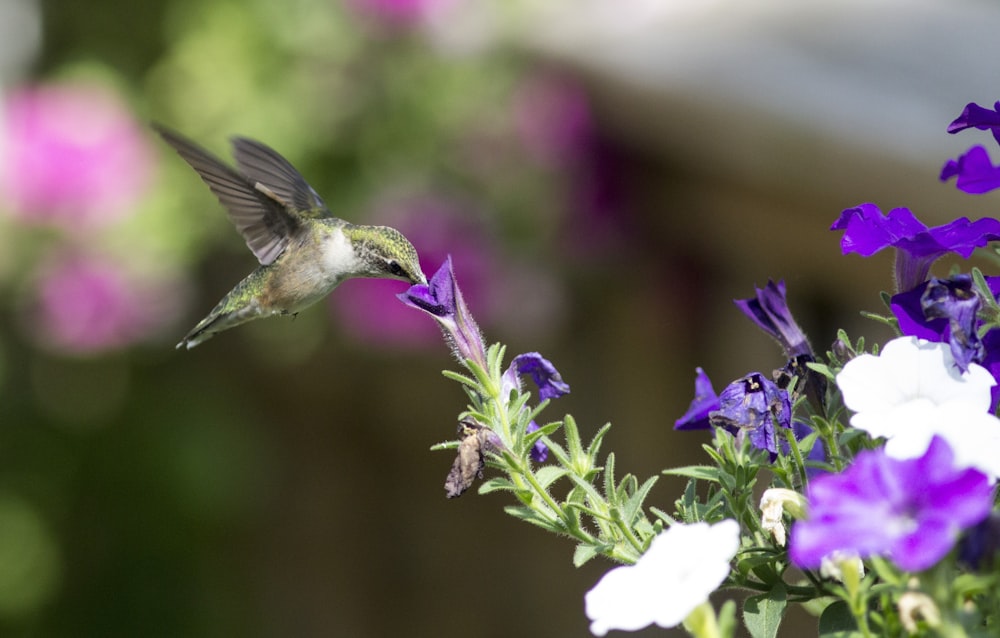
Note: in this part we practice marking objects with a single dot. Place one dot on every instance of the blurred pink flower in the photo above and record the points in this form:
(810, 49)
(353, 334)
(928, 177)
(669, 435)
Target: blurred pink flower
(368, 308)
(399, 13)
(553, 119)
(70, 154)
(87, 304)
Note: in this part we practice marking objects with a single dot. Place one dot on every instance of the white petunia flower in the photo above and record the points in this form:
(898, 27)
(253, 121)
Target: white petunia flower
(913, 391)
(682, 566)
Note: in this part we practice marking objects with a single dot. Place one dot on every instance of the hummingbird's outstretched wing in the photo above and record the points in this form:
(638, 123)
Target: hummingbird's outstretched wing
(265, 225)
(262, 164)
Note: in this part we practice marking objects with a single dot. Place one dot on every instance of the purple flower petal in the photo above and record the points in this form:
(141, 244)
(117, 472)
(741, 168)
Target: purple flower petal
(975, 116)
(442, 299)
(975, 171)
(867, 231)
(956, 301)
(750, 407)
(543, 373)
(911, 511)
(705, 401)
(909, 313)
(539, 451)
(769, 310)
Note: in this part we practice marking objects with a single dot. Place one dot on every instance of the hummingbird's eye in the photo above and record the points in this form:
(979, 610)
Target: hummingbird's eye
(395, 268)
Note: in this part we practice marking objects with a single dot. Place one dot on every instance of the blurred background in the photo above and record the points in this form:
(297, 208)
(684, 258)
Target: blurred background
(607, 176)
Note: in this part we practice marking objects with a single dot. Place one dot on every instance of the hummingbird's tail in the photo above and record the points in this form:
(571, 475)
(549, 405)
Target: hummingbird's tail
(239, 306)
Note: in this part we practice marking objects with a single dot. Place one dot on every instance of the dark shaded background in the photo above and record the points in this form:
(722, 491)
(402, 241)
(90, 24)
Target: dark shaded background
(607, 180)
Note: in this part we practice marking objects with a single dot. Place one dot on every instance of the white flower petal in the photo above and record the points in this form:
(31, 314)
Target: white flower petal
(676, 574)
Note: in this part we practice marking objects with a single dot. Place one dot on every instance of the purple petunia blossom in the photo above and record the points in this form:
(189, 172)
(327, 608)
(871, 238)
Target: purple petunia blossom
(867, 231)
(549, 382)
(975, 172)
(442, 299)
(543, 373)
(975, 116)
(751, 407)
(705, 401)
(769, 310)
(910, 511)
(908, 308)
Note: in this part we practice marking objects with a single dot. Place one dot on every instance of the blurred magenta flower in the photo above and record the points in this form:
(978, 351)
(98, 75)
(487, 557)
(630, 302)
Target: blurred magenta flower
(910, 511)
(72, 154)
(399, 13)
(88, 305)
(553, 119)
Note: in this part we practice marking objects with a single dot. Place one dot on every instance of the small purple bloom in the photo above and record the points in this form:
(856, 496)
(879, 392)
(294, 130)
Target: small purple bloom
(751, 407)
(549, 382)
(705, 402)
(769, 310)
(539, 451)
(956, 301)
(975, 116)
(911, 510)
(975, 171)
(442, 299)
(543, 373)
(867, 231)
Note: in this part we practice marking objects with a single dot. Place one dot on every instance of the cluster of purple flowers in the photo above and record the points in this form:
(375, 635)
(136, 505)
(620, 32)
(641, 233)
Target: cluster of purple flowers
(908, 506)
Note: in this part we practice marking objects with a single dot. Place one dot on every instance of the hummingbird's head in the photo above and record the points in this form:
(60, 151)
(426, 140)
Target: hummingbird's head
(386, 253)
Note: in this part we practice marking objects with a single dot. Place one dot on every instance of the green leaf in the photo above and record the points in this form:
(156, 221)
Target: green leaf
(549, 474)
(609, 477)
(762, 614)
(498, 485)
(531, 516)
(585, 552)
(573, 444)
(595, 443)
(699, 472)
(633, 506)
(836, 621)
(461, 378)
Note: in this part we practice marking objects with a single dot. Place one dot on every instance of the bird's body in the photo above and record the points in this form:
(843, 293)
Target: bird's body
(304, 251)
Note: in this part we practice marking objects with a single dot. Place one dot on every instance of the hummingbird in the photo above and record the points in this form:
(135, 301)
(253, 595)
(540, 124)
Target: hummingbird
(303, 250)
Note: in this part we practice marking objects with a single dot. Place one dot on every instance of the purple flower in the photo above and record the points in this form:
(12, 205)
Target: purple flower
(975, 116)
(442, 299)
(769, 310)
(543, 373)
(945, 311)
(956, 301)
(751, 407)
(975, 171)
(549, 382)
(539, 451)
(704, 403)
(867, 231)
(72, 154)
(911, 510)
